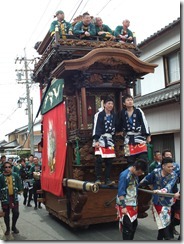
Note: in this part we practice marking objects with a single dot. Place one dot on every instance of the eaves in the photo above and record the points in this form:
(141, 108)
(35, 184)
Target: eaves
(164, 96)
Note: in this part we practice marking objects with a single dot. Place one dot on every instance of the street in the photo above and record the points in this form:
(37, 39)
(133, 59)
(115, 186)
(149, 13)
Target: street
(38, 225)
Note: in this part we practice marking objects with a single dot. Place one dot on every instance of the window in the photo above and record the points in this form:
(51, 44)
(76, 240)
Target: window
(137, 89)
(172, 67)
(163, 141)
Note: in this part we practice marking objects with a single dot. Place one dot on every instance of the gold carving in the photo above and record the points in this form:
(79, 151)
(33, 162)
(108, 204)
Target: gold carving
(96, 78)
(118, 79)
(72, 113)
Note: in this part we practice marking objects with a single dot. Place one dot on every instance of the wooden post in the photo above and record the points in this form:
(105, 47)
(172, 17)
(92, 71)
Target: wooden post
(84, 108)
(120, 101)
(78, 109)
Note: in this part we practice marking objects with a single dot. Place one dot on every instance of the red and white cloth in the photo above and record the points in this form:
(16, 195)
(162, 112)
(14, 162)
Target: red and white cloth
(130, 149)
(162, 215)
(131, 212)
(104, 152)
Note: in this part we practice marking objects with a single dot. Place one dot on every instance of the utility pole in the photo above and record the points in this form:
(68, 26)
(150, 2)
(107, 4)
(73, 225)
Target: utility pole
(27, 98)
(30, 113)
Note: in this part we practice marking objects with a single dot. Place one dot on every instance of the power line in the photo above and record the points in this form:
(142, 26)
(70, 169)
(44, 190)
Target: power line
(38, 22)
(8, 117)
(76, 10)
(47, 24)
(103, 7)
(73, 8)
(84, 7)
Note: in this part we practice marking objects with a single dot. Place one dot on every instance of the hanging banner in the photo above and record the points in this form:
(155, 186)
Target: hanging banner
(54, 95)
(54, 150)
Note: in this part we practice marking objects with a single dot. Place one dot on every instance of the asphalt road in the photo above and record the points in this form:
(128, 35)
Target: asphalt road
(38, 225)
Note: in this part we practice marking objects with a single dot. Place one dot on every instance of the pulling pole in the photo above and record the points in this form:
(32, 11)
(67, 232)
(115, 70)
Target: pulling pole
(157, 193)
(81, 185)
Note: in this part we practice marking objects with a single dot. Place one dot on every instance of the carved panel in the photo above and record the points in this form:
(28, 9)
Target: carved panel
(78, 200)
(78, 174)
(96, 44)
(87, 152)
(95, 79)
(71, 113)
(118, 79)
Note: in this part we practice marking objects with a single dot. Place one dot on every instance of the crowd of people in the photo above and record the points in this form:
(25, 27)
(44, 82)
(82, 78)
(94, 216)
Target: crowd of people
(21, 177)
(162, 175)
(90, 27)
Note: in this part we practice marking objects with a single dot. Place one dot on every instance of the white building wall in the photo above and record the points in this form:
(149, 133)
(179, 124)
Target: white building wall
(37, 127)
(177, 147)
(167, 42)
(164, 119)
(155, 81)
(153, 53)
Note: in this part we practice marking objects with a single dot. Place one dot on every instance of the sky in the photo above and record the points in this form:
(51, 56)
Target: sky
(24, 22)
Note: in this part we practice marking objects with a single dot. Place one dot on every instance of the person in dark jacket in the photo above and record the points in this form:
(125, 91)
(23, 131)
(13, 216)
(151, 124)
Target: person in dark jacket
(103, 140)
(133, 126)
(27, 183)
(10, 190)
(35, 174)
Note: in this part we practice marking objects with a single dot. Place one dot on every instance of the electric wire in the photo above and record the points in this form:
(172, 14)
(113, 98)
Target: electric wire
(43, 29)
(76, 10)
(36, 38)
(9, 116)
(82, 10)
(73, 9)
(39, 21)
(103, 7)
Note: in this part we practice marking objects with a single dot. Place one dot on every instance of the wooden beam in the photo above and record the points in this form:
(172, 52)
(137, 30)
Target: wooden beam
(84, 108)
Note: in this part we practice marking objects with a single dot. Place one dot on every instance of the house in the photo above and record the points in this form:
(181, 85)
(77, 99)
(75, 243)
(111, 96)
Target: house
(158, 94)
(2, 143)
(19, 140)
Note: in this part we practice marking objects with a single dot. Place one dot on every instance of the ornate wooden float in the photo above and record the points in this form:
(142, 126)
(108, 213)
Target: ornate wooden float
(74, 76)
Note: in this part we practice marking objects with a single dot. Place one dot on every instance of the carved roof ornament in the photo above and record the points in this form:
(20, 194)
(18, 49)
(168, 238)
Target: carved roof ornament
(96, 78)
(118, 79)
(106, 57)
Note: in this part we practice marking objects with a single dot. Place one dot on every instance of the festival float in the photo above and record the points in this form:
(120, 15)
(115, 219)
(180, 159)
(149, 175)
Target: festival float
(74, 76)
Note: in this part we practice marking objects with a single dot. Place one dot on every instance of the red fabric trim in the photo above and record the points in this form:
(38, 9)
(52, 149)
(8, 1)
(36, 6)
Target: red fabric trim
(108, 152)
(136, 149)
(54, 150)
(177, 214)
(158, 208)
(132, 210)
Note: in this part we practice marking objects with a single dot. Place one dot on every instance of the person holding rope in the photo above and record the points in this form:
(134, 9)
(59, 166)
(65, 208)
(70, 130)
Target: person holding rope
(126, 201)
(163, 180)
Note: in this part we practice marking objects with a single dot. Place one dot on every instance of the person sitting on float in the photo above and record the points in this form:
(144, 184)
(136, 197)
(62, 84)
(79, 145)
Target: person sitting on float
(85, 29)
(63, 26)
